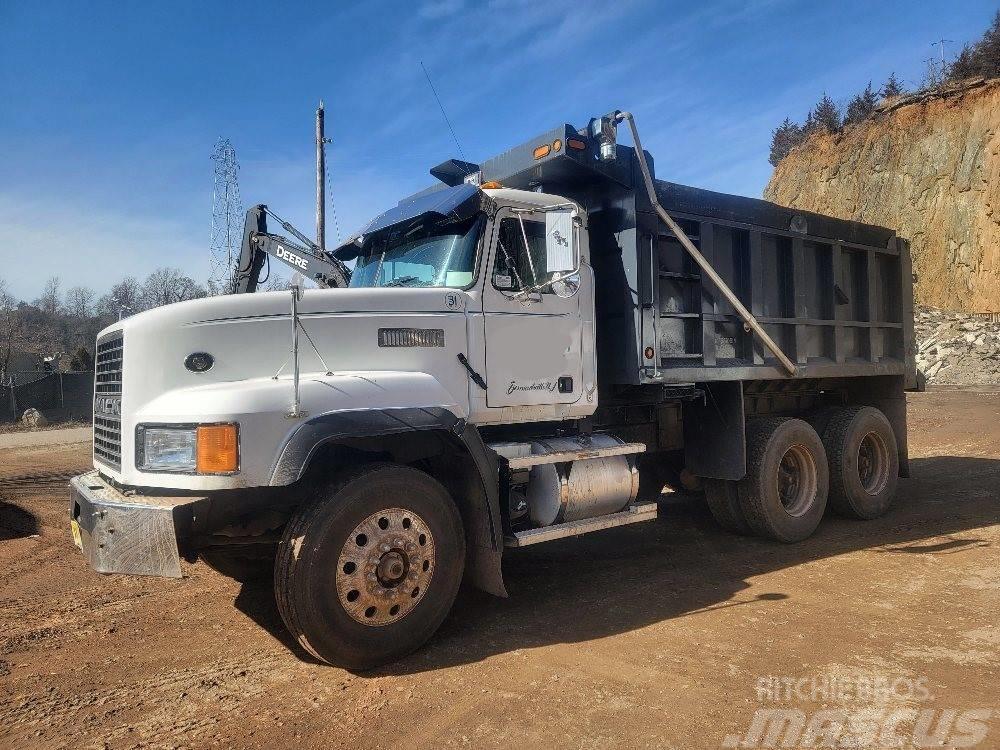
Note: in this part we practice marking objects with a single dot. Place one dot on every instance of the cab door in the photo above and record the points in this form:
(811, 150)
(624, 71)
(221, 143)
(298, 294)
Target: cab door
(533, 339)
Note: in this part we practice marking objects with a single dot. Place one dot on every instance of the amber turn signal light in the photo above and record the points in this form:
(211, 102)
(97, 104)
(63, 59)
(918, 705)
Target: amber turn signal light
(218, 449)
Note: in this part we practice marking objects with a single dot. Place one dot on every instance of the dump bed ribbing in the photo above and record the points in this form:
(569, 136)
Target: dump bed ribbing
(835, 294)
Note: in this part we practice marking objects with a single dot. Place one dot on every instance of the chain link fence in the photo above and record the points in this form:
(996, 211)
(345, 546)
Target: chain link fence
(59, 396)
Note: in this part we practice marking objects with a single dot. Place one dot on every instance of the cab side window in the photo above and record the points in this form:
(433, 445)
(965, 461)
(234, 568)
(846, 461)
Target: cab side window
(518, 267)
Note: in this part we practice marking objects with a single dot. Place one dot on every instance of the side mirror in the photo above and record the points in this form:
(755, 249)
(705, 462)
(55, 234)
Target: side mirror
(562, 256)
(560, 242)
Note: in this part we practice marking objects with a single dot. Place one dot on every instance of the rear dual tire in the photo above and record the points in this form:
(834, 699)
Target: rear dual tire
(864, 462)
(723, 501)
(793, 473)
(784, 493)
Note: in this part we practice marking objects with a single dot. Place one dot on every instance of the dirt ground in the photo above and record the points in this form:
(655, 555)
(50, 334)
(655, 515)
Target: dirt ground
(655, 635)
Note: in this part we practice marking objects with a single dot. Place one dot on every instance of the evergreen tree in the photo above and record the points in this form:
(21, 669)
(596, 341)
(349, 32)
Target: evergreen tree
(784, 138)
(810, 123)
(892, 87)
(861, 105)
(826, 116)
(981, 58)
(81, 361)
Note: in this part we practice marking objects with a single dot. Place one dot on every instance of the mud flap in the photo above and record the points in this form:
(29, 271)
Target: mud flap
(714, 432)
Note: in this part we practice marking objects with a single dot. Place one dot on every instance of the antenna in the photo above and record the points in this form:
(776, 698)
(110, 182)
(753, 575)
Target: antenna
(443, 113)
(227, 216)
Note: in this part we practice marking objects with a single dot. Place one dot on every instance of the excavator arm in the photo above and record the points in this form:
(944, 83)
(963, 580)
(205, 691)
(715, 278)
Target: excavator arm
(259, 246)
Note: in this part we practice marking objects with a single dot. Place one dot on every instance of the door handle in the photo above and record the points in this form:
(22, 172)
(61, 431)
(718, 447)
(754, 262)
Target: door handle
(473, 375)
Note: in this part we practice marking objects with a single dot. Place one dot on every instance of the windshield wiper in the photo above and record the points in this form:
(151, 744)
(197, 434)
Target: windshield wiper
(402, 281)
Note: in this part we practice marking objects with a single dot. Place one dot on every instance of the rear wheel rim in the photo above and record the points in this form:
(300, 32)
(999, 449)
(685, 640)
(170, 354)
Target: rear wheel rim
(797, 480)
(873, 463)
(385, 567)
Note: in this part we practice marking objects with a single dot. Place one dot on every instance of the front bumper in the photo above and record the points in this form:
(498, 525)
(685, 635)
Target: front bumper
(130, 534)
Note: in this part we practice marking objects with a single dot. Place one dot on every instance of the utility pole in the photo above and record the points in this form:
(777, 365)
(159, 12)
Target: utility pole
(321, 141)
(941, 43)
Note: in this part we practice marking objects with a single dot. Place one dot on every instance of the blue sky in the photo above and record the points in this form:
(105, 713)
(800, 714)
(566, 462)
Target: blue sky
(109, 111)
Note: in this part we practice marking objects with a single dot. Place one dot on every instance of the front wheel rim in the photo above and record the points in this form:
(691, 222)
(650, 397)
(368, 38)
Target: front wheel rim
(385, 567)
(797, 480)
(873, 463)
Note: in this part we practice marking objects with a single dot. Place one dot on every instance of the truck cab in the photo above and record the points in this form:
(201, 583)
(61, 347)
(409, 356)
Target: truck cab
(529, 350)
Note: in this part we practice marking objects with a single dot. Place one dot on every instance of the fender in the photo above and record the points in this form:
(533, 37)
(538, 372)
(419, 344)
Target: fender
(480, 509)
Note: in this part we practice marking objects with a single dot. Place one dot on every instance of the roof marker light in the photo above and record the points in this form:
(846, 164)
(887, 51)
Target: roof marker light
(542, 151)
(575, 144)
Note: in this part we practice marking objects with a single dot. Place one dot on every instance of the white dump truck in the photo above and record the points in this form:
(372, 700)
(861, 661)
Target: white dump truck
(527, 351)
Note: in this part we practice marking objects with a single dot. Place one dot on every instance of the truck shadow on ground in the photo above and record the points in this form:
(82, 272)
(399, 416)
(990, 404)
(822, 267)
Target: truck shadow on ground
(620, 580)
(16, 522)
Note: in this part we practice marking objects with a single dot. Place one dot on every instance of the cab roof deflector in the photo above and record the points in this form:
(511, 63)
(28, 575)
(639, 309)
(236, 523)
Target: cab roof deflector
(452, 204)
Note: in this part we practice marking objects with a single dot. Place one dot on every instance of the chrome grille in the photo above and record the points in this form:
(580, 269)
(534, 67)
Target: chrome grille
(108, 389)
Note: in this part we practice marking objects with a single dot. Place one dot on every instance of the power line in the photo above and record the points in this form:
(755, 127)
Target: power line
(333, 206)
(441, 107)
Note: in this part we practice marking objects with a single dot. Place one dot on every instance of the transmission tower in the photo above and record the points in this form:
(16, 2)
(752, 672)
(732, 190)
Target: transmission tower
(227, 216)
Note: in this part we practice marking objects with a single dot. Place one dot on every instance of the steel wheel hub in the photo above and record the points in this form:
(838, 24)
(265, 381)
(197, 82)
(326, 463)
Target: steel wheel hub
(873, 463)
(385, 566)
(797, 480)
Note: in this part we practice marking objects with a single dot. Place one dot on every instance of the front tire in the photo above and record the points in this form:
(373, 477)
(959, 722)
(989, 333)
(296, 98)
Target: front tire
(784, 493)
(369, 569)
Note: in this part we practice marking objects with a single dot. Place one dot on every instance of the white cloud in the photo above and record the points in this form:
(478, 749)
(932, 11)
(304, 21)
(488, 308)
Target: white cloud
(435, 9)
(88, 245)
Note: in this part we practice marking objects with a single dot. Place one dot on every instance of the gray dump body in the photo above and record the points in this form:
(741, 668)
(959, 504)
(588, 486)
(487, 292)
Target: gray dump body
(836, 295)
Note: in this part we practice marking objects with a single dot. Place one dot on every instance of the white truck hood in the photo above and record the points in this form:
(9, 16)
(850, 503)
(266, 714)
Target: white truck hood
(249, 337)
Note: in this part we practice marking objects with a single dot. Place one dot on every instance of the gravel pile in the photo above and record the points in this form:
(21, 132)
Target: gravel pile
(957, 348)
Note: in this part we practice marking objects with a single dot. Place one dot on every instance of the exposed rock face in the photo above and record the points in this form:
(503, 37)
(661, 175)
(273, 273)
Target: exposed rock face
(927, 166)
(956, 348)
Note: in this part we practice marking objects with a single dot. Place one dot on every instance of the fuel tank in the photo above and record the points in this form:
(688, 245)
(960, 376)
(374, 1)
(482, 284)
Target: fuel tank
(570, 491)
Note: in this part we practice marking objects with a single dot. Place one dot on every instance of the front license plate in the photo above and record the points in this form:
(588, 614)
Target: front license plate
(74, 526)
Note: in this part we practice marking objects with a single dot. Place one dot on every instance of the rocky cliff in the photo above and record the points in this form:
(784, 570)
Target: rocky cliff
(927, 166)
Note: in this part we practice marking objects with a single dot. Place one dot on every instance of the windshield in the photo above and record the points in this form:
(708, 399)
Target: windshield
(422, 255)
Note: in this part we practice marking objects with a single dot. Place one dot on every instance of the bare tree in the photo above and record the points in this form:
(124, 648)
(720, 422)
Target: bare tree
(11, 327)
(277, 283)
(79, 301)
(51, 296)
(933, 75)
(164, 286)
(124, 298)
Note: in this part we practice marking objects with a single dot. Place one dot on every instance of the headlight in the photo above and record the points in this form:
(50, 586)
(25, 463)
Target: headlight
(168, 448)
(205, 449)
